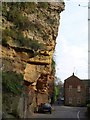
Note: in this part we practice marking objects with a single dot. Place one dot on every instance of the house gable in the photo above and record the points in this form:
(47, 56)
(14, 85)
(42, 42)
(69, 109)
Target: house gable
(74, 91)
(74, 81)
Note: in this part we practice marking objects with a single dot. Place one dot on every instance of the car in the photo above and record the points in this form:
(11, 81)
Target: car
(45, 107)
(62, 98)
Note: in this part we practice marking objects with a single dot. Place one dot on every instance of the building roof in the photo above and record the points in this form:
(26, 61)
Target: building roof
(86, 82)
(72, 76)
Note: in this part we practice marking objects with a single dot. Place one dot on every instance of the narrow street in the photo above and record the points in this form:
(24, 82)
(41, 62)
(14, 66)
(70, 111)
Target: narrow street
(63, 112)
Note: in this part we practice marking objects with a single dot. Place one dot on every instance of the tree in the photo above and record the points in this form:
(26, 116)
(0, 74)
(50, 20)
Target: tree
(56, 93)
(59, 91)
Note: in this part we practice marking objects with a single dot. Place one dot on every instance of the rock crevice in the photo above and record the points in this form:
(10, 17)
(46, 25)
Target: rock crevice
(29, 32)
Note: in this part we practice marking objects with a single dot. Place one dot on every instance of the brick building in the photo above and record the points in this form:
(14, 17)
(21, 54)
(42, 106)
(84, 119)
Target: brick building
(74, 91)
(87, 85)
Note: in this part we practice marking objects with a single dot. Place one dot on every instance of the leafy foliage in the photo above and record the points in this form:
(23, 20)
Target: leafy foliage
(56, 93)
(50, 20)
(20, 21)
(14, 13)
(43, 5)
(45, 37)
(53, 63)
(12, 82)
(11, 34)
(88, 102)
(53, 66)
(35, 45)
(20, 40)
(58, 88)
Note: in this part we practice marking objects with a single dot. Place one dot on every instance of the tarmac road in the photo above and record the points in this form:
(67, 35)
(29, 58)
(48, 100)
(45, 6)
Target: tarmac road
(63, 112)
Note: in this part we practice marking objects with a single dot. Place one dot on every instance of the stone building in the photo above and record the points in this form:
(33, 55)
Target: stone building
(74, 91)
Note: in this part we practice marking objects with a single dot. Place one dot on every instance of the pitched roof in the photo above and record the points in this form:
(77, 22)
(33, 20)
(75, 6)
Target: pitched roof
(86, 82)
(72, 76)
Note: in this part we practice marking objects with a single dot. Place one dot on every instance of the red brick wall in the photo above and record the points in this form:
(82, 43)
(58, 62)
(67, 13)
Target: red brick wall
(73, 93)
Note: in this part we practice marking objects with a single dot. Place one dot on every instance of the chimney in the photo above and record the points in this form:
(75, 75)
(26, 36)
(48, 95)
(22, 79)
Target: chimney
(73, 73)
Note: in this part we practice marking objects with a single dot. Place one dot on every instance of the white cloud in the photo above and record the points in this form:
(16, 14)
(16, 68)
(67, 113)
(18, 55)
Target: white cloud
(70, 58)
(72, 42)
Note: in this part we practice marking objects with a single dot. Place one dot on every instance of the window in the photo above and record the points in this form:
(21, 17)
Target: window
(70, 87)
(79, 88)
(78, 101)
(70, 100)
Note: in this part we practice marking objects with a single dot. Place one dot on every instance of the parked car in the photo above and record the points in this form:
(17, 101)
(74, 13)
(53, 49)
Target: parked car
(62, 98)
(45, 107)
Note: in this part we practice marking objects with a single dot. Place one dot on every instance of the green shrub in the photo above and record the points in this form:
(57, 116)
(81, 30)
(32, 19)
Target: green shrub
(29, 7)
(56, 93)
(21, 22)
(12, 82)
(88, 105)
(88, 102)
(4, 9)
(18, 38)
(14, 12)
(35, 45)
(36, 27)
(9, 32)
(43, 5)
(4, 41)
(21, 41)
(50, 20)
(53, 65)
(18, 19)
(45, 37)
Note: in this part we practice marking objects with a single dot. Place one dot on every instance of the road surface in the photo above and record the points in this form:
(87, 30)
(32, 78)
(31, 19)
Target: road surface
(63, 112)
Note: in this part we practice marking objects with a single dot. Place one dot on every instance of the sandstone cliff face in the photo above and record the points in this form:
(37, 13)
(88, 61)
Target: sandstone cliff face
(29, 32)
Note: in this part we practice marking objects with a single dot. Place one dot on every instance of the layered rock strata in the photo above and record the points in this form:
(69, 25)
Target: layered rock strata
(29, 32)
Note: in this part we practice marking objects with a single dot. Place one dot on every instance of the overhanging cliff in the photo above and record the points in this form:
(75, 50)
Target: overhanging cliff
(29, 32)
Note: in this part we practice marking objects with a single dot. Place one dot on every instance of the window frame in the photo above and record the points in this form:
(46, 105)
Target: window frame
(70, 87)
(70, 100)
(78, 88)
(78, 101)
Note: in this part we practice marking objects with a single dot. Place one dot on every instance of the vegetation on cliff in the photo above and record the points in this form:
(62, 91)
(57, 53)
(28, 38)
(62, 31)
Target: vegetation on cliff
(29, 31)
(19, 22)
(12, 86)
(12, 82)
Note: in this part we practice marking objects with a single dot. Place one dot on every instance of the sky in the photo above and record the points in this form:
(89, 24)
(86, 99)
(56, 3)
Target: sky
(71, 52)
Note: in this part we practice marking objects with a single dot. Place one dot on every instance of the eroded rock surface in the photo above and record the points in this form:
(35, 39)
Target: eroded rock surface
(29, 32)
